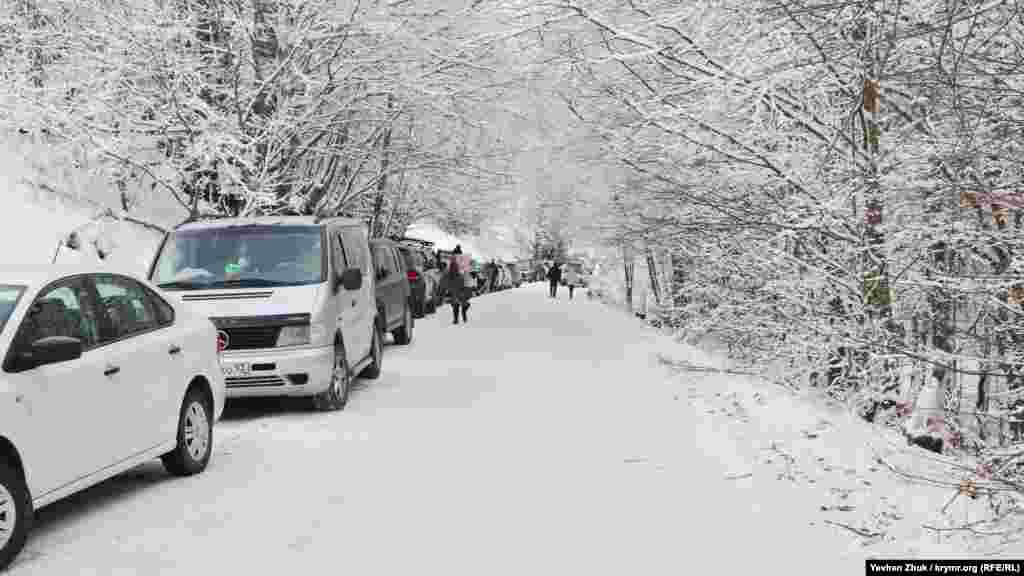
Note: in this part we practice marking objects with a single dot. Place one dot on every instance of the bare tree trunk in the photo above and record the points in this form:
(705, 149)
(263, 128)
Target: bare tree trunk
(33, 18)
(265, 48)
(877, 290)
(678, 282)
(376, 222)
(652, 272)
(203, 181)
(627, 263)
(327, 175)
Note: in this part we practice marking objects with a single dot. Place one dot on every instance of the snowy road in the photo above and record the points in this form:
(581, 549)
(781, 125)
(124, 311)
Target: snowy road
(541, 438)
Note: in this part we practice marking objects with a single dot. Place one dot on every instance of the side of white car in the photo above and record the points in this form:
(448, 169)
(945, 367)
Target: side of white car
(99, 374)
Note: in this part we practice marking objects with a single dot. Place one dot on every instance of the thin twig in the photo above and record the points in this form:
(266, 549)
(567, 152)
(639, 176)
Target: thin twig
(966, 529)
(858, 531)
(681, 365)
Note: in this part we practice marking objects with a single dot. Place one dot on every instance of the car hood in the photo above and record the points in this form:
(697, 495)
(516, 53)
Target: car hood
(249, 301)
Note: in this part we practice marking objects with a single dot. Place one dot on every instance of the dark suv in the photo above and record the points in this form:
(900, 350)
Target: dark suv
(394, 304)
(415, 267)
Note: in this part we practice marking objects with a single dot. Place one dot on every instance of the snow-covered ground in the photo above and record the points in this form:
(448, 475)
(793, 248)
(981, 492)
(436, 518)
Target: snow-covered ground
(544, 437)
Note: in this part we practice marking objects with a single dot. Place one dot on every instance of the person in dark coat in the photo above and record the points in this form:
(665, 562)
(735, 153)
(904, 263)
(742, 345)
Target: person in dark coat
(454, 285)
(554, 277)
(492, 276)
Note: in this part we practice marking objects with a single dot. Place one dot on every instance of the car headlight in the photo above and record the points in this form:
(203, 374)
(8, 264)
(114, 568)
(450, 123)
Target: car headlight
(294, 335)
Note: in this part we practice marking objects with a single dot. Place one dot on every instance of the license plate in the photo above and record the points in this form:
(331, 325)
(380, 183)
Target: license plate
(237, 370)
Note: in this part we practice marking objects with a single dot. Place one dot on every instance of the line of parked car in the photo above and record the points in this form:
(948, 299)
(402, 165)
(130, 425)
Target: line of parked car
(103, 371)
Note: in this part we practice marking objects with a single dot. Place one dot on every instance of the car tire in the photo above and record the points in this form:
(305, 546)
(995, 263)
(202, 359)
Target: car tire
(403, 334)
(336, 396)
(194, 438)
(15, 513)
(372, 372)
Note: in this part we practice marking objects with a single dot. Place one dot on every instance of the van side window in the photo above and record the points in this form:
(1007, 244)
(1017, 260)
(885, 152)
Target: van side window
(340, 264)
(356, 249)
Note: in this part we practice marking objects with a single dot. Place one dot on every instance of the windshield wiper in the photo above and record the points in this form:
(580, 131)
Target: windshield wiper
(248, 283)
(180, 284)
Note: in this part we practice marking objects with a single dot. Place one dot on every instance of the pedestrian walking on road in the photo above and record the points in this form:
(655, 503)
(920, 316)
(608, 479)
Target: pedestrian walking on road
(454, 285)
(554, 277)
(571, 279)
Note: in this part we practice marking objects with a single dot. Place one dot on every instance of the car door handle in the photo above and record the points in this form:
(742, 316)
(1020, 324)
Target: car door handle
(175, 349)
(353, 303)
(111, 370)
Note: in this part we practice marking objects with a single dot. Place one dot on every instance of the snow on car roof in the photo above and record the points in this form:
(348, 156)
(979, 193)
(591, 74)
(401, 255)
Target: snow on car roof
(262, 221)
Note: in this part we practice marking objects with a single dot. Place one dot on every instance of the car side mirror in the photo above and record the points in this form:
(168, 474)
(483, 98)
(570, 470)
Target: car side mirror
(352, 279)
(50, 350)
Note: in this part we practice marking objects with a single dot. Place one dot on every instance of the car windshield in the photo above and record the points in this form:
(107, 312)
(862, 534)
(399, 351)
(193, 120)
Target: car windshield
(241, 256)
(9, 296)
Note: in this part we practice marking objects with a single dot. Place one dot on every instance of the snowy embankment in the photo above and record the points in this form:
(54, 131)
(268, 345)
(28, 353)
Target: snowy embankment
(842, 473)
(895, 499)
(47, 197)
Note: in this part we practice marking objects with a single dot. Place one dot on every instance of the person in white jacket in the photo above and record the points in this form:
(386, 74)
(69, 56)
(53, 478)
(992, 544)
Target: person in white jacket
(572, 278)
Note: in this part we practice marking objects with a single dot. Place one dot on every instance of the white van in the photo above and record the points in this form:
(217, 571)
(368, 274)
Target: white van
(292, 297)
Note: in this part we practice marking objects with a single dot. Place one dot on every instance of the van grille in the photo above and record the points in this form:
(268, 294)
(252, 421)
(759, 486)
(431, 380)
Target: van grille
(252, 337)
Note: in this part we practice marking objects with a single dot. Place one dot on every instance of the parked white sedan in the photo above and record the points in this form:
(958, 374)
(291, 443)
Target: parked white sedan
(100, 373)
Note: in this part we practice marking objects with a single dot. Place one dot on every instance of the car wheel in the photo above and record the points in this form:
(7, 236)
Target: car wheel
(195, 436)
(377, 353)
(336, 395)
(403, 334)
(15, 513)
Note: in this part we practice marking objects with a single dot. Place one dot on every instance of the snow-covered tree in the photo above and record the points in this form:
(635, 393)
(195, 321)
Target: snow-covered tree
(804, 164)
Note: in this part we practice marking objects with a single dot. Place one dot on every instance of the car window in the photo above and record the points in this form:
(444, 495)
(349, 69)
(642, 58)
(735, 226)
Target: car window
(164, 311)
(340, 263)
(64, 309)
(124, 307)
(355, 250)
(383, 261)
(10, 295)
